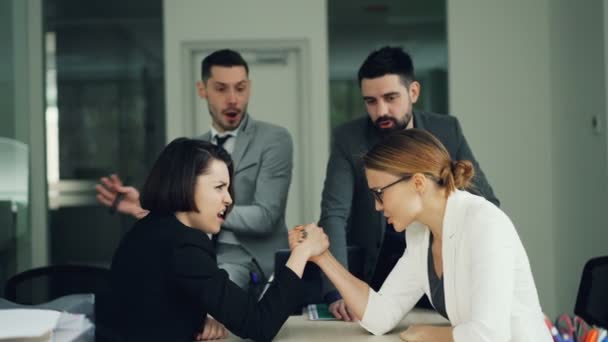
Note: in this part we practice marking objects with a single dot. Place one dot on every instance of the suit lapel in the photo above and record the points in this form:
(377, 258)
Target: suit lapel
(372, 136)
(206, 136)
(243, 139)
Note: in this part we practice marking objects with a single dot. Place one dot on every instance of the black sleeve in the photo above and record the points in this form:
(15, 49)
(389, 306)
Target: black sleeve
(198, 275)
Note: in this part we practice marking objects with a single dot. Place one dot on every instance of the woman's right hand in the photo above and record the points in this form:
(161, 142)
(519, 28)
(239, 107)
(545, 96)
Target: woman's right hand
(310, 238)
(110, 187)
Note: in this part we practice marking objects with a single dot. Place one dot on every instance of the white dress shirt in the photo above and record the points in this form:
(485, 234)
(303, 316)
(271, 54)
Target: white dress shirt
(230, 143)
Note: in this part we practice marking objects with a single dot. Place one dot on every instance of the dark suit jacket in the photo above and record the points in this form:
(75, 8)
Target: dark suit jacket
(347, 207)
(165, 280)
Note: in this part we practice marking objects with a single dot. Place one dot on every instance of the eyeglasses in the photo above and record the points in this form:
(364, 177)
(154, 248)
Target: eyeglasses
(378, 192)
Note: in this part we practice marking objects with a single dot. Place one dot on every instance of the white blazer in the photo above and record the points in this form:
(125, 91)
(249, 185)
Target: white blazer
(490, 294)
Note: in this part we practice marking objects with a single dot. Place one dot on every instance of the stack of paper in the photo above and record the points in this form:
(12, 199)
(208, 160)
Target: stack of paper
(72, 326)
(42, 325)
(24, 324)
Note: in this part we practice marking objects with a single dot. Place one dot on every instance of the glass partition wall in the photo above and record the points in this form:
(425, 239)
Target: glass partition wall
(104, 114)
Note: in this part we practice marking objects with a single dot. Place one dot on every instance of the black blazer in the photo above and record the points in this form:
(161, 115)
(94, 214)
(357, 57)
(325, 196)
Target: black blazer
(348, 213)
(165, 281)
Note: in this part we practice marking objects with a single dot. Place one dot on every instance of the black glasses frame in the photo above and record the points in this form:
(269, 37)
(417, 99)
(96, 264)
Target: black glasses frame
(378, 192)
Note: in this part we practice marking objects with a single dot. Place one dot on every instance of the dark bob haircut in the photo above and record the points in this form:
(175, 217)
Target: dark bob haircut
(388, 61)
(171, 183)
(224, 58)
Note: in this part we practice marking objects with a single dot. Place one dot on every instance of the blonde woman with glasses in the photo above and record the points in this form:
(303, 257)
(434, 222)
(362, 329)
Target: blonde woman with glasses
(463, 252)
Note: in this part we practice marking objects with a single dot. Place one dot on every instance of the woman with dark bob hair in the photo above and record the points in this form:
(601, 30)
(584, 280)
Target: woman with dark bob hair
(462, 251)
(165, 279)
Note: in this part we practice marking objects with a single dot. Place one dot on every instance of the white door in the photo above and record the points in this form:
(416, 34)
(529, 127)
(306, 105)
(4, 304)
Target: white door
(274, 73)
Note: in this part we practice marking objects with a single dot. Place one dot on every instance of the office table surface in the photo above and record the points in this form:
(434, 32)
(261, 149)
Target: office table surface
(300, 328)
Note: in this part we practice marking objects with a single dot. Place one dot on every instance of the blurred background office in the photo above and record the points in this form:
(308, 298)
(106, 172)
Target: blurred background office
(90, 88)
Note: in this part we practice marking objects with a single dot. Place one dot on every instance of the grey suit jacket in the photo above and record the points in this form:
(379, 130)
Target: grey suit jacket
(263, 162)
(347, 207)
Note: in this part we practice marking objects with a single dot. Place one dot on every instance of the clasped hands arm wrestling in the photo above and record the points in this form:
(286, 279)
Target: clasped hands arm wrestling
(309, 242)
(354, 291)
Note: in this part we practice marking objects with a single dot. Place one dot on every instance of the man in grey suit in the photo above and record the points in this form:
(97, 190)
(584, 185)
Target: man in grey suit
(348, 214)
(263, 159)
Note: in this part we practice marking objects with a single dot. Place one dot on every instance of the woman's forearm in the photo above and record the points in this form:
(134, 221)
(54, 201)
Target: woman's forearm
(354, 291)
(297, 261)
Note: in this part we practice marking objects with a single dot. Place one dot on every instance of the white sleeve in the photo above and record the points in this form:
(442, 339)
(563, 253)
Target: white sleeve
(398, 295)
(492, 282)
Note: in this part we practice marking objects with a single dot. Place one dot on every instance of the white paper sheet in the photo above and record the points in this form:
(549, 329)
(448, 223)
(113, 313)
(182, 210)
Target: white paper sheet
(22, 323)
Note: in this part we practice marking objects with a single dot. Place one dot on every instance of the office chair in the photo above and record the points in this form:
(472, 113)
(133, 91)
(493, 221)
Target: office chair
(592, 298)
(43, 284)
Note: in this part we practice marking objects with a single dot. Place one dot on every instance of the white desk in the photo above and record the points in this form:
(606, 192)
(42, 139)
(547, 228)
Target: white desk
(299, 328)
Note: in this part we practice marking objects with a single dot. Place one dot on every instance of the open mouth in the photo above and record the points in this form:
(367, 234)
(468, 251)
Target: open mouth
(232, 113)
(386, 124)
(222, 214)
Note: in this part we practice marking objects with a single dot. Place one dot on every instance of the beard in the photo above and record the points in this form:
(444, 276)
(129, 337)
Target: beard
(397, 125)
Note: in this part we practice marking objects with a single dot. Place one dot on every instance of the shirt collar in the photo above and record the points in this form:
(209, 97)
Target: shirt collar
(234, 132)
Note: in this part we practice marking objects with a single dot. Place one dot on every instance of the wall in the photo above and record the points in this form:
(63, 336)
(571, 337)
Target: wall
(7, 75)
(577, 84)
(499, 81)
(22, 117)
(524, 82)
(225, 20)
(605, 30)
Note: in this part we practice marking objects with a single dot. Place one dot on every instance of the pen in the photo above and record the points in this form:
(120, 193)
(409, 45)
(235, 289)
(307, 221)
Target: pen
(259, 268)
(555, 335)
(565, 326)
(553, 330)
(592, 335)
(601, 336)
(119, 197)
(253, 277)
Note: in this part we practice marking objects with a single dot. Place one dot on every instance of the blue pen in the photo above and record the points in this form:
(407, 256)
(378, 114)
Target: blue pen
(253, 277)
(555, 334)
(603, 335)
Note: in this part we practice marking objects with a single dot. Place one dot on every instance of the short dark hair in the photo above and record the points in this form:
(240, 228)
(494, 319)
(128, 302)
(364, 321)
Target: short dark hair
(386, 61)
(170, 186)
(225, 58)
